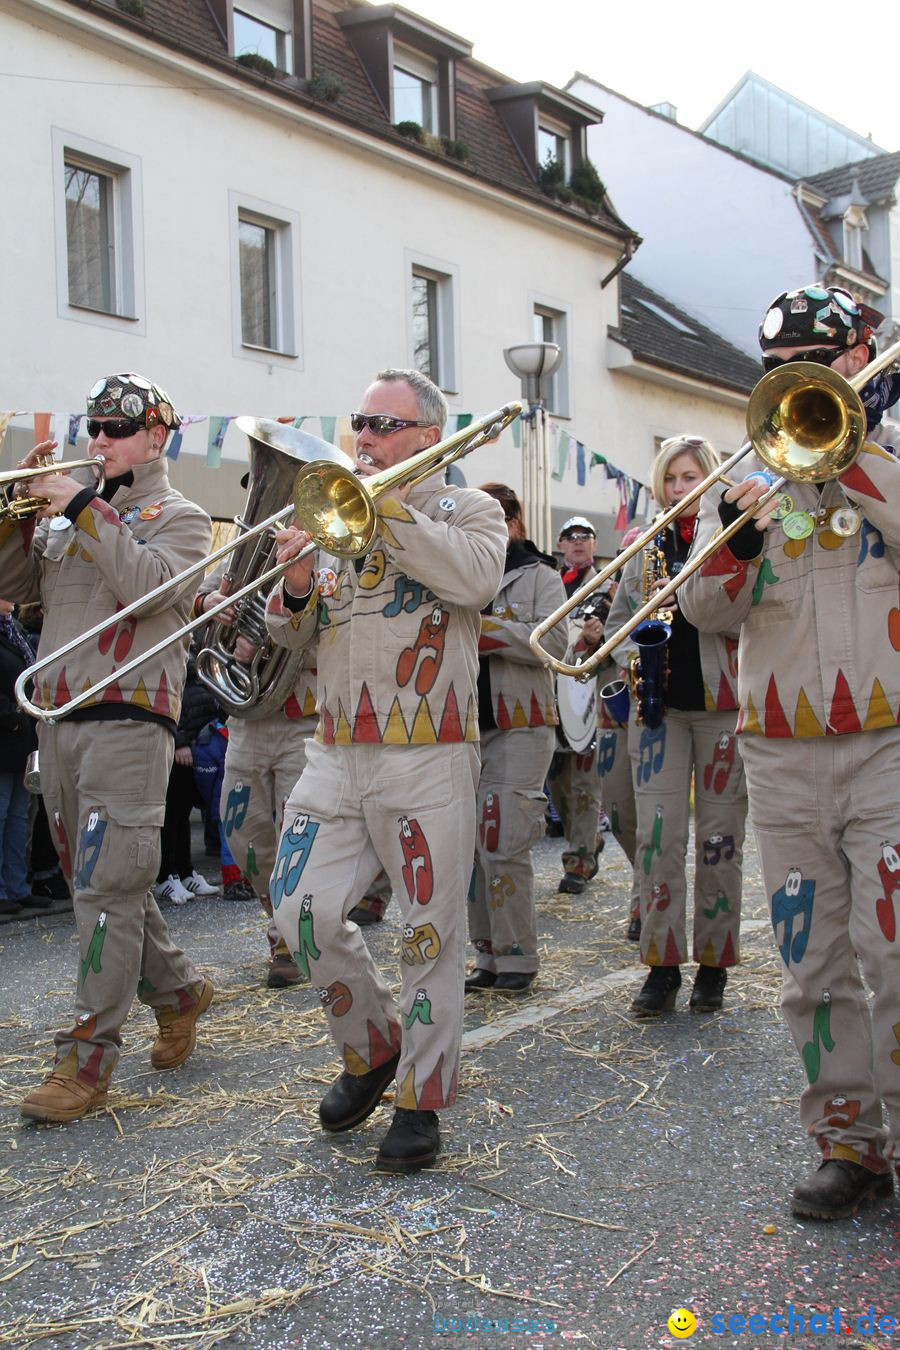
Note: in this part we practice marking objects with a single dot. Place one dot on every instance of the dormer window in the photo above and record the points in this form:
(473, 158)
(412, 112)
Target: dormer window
(279, 31)
(410, 63)
(414, 89)
(547, 126)
(252, 35)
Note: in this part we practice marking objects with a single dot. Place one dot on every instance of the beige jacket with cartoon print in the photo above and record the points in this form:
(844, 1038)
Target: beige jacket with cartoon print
(820, 624)
(521, 685)
(398, 641)
(113, 554)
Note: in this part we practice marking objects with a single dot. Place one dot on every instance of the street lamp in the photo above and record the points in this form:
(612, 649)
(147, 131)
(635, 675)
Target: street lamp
(534, 363)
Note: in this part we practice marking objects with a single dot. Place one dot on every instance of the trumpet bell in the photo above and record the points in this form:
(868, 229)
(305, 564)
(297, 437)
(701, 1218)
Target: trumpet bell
(335, 508)
(806, 422)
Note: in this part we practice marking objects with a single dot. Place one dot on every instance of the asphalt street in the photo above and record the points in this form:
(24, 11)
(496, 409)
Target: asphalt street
(597, 1173)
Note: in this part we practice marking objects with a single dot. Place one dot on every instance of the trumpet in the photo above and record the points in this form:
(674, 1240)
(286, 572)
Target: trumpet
(806, 423)
(20, 508)
(330, 502)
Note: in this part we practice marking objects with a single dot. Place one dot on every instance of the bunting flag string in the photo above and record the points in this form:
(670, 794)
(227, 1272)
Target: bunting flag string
(629, 489)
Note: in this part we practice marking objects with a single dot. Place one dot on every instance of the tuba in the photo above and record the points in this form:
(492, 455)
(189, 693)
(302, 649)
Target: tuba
(650, 665)
(259, 689)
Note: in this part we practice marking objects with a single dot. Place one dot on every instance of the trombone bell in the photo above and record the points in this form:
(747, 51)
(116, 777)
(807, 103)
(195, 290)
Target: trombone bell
(806, 422)
(335, 509)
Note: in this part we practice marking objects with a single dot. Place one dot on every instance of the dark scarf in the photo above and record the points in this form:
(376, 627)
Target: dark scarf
(15, 637)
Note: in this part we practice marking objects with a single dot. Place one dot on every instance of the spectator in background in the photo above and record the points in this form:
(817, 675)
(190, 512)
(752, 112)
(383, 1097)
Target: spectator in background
(17, 740)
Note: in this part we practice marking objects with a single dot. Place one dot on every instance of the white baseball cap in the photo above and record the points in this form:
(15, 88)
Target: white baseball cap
(577, 523)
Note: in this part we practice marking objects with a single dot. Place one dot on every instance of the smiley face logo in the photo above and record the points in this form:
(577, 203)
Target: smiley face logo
(682, 1323)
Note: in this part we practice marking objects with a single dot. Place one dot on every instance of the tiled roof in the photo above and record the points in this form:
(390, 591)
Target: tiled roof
(188, 26)
(680, 343)
(877, 178)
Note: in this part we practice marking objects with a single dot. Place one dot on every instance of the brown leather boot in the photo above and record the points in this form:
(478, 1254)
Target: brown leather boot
(178, 1031)
(60, 1098)
(837, 1189)
(283, 971)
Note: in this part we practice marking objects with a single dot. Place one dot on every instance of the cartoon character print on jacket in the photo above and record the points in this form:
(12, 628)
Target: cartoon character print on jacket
(792, 900)
(94, 954)
(89, 845)
(408, 596)
(118, 637)
(717, 847)
(293, 853)
(420, 1010)
(418, 872)
(236, 807)
(489, 825)
(429, 645)
(306, 938)
(889, 875)
(336, 998)
(723, 757)
(651, 753)
(419, 944)
(841, 1111)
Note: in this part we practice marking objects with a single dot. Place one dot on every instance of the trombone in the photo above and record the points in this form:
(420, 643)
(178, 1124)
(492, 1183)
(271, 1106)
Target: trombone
(20, 508)
(329, 501)
(806, 423)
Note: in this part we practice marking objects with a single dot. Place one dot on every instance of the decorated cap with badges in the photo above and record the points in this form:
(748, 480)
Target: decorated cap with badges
(134, 399)
(577, 523)
(817, 316)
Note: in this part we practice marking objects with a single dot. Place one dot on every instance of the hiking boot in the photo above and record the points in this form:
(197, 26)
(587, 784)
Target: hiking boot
(709, 986)
(480, 979)
(412, 1142)
(177, 1034)
(514, 981)
(53, 886)
(352, 1097)
(171, 892)
(658, 992)
(837, 1189)
(239, 890)
(283, 970)
(198, 885)
(62, 1099)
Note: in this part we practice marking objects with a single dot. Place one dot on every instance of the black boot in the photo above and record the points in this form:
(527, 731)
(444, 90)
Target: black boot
(838, 1188)
(571, 884)
(353, 1097)
(658, 992)
(634, 930)
(412, 1142)
(514, 982)
(709, 986)
(480, 979)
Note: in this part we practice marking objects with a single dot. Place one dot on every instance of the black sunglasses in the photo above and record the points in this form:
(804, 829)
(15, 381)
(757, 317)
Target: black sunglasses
(822, 356)
(382, 425)
(113, 431)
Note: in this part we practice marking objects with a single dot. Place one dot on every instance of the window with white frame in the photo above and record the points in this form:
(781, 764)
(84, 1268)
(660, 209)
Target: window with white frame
(553, 147)
(414, 89)
(432, 323)
(854, 222)
(264, 28)
(97, 203)
(551, 325)
(265, 261)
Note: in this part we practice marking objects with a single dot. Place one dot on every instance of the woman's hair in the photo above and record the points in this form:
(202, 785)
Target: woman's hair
(700, 450)
(512, 507)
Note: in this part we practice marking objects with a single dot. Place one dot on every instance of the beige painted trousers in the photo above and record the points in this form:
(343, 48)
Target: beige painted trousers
(510, 815)
(827, 817)
(701, 746)
(411, 810)
(104, 787)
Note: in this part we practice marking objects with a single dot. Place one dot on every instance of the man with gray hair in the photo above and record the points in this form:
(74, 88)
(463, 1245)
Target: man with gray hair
(391, 774)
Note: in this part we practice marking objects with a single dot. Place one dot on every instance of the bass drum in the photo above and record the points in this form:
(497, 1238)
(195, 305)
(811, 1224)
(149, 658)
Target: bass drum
(576, 703)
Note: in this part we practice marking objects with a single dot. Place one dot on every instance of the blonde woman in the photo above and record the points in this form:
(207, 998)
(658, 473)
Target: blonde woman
(688, 736)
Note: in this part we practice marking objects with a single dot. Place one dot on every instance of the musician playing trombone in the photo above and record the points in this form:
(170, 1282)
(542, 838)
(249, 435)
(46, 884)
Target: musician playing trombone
(104, 770)
(391, 776)
(816, 592)
(682, 729)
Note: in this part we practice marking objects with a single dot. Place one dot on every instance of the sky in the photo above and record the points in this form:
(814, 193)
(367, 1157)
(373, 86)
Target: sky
(692, 53)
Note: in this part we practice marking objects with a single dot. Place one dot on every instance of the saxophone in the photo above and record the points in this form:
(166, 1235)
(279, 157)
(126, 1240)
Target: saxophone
(649, 667)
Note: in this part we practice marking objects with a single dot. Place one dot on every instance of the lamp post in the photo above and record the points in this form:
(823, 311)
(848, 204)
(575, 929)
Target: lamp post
(534, 363)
